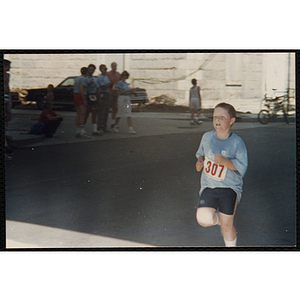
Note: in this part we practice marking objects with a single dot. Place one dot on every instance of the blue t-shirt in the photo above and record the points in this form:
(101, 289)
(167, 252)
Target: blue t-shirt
(92, 88)
(79, 81)
(218, 176)
(124, 86)
(103, 80)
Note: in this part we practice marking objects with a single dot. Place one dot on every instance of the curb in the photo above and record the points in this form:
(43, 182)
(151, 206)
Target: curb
(15, 143)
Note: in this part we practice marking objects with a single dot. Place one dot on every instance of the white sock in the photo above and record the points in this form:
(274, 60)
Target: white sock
(230, 243)
(95, 127)
(77, 128)
(82, 131)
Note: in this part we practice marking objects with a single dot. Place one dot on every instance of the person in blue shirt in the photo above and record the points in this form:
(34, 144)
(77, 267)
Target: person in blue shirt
(93, 97)
(223, 157)
(124, 103)
(80, 104)
(104, 85)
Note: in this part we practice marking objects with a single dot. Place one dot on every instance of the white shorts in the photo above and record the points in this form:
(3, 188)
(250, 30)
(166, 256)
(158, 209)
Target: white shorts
(195, 103)
(124, 107)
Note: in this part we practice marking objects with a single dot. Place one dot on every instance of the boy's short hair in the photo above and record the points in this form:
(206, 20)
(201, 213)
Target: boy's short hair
(83, 70)
(7, 62)
(125, 73)
(194, 81)
(102, 66)
(230, 109)
(92, 66)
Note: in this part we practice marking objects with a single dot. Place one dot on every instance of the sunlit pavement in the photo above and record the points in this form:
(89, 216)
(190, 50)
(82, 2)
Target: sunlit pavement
(17, 237)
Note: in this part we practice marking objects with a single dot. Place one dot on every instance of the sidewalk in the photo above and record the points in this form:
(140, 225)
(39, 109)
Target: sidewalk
(145, 123)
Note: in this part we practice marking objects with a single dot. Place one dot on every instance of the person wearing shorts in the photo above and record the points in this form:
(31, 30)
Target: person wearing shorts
(195, 102)
(80, 104)
(124, 102)
(223, 157)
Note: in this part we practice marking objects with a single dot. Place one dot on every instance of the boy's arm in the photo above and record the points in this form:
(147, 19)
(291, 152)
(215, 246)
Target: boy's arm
(221, 160)
(199, 163)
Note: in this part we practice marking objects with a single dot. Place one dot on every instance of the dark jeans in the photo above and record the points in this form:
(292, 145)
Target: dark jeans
(51, 126)
(103, 112)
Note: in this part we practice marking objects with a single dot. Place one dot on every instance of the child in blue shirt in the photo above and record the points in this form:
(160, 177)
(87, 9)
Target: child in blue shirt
(223, 156)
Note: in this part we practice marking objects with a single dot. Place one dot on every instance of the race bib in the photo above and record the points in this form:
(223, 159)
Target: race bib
(93, 97)
(115, 87)
(214, 170)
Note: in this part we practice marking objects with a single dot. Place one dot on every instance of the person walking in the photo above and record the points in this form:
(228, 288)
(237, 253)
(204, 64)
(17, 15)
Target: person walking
(223, 156)
(124, 103)
(195, 102)
(104, 85)
(114, 77)
(93, 97)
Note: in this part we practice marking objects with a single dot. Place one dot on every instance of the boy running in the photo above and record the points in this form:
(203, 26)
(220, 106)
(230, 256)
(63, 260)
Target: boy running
(223, 156)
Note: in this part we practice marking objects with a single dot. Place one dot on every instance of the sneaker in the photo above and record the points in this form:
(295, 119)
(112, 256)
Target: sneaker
(131, 131)
(116, 129)
(193, 123)
(85, 136)
(199, 122)
(98, 133)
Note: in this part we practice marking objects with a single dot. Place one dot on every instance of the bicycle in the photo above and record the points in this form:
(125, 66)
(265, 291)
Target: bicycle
(274, 106)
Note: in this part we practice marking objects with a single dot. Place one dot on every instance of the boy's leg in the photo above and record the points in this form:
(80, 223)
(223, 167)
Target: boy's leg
(228, 230)
(192, 114)
(206, 216)
(198, 112)
(206, 212)
(227, 210)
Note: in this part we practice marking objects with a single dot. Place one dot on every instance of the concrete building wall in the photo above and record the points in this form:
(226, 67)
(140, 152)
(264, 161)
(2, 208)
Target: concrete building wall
(241, 79)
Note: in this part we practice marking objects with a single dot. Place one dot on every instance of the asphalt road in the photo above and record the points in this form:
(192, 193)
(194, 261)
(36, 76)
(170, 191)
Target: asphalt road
(144, 192)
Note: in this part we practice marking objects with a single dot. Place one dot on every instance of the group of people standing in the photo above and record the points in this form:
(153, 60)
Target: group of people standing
(97, 95)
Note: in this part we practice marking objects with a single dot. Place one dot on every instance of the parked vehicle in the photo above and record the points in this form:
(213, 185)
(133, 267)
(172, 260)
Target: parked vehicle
(63, 95)
(14, 98)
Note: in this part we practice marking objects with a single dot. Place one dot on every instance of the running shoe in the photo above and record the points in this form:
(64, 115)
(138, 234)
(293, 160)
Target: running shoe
(98, 133)
(131, 131)
(85, 136)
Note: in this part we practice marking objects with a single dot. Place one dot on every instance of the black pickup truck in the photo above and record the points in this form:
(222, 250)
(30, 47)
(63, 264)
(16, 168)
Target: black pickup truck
(63, 95)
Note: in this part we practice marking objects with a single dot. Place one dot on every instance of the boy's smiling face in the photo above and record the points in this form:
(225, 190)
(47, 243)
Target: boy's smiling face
(222, 120)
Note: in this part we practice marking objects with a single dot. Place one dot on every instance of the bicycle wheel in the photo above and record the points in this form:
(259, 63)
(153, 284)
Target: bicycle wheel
(263, 116)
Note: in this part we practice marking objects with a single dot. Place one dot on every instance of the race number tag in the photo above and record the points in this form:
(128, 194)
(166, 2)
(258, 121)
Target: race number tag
(115, 87)
(92, 97)
(214, 171)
